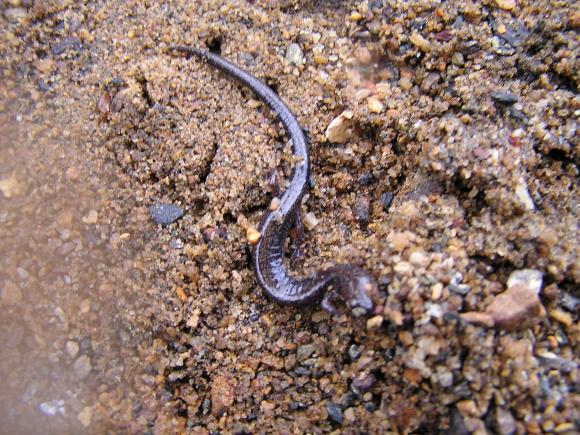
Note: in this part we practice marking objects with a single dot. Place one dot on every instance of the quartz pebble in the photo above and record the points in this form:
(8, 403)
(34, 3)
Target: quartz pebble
(253, 235)
(340, 129)
(374, 104)
(310, 221)
(294, 55)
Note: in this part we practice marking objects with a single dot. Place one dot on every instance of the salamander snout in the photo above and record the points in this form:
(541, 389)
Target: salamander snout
(361, 286)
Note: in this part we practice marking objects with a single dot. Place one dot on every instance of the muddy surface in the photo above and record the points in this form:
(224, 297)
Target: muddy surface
(445, 160)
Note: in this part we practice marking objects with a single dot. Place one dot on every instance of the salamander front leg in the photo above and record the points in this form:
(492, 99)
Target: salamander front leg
(328, 301)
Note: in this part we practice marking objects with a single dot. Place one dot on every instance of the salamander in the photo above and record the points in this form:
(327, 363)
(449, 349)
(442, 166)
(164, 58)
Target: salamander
(349, 283)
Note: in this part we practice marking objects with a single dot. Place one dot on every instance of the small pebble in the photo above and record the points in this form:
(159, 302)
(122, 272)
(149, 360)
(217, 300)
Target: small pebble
(86, 416)
(516, 308)
(374, 104)
(310, 221)
(364, 383)
(222, 394)
(15, 15)
(421, 43)
(274, 204)
(294, 55)
(340, 128)
(253, 236)
(374, 322)
(362, 209)
(403, 268)
(508, 5)
(504, 97)
(53, 407)
(72, 348)
(10, 186)
(164, 214)
(11, 293)
(386, 200)
(82, 367)
(531, 278)
(505, 422)
(420, 259)
(305, 351)
(91, 217)
(523, 194)
(354, 352)
(334, 412)
(363, 55)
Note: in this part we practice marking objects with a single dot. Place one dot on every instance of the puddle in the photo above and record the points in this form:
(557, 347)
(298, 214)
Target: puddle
(68, 347)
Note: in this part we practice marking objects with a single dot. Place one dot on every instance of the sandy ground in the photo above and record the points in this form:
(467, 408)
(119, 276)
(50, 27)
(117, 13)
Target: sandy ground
(445, 160)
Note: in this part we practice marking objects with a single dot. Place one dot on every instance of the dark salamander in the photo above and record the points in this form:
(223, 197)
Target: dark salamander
(346, 282)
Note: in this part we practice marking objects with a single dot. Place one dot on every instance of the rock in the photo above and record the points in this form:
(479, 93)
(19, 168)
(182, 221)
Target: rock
(334, 412)
(399, 241)
(10, 186)
(85, 416)
(420, 42)
(508, 5)
(354, 352)
(504, 97)
(15, 15)
(253, 236)
(460, 289)
(11, 294)
(562, 317)
(104, 103)
(72, 348)
(364, 383)
(69, 42)
(375, 322)
(531, 278)
(363, 55)
(468, 408)
(505, 422)
(374, 104)
(478, 318)
(91, 217)
(429, 81)
(386, 200)
(222, 394)
(305, 351)
(419, 259)
(361, 210)
(53, 407)
(82, 367)
(349, 415)
(294, 55)
(310, 221)
(340, 128)
(523, 195)
(403, 268)
(516, 308)
(164, 214)
(570, 302)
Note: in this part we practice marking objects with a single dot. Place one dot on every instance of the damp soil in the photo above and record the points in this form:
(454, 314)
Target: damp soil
(445, 157)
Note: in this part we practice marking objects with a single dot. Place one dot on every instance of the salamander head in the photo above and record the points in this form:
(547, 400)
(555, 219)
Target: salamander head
(356, 287)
